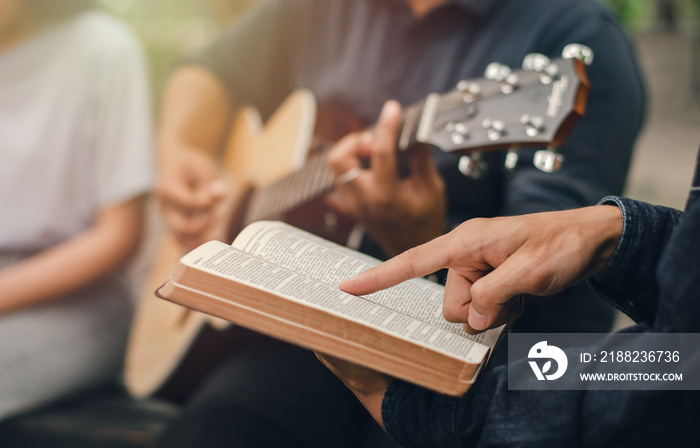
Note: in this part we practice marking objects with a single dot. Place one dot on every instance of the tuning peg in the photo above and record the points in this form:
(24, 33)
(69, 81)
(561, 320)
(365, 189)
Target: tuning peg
(548, 160)
(578, 51)
(502, 74)
(458, 131)
(495, 129)
(472, 166)
(497, 72)
(536, 62)
(471, 90)
(534, 124)
(511, 161)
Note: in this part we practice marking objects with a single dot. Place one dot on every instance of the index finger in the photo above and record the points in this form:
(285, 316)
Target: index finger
(415, 262)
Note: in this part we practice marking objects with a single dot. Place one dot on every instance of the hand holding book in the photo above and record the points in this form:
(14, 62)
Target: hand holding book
(283, 282)
(492, 263)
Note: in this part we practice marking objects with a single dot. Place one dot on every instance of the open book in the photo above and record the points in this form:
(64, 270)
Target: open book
(283, 282)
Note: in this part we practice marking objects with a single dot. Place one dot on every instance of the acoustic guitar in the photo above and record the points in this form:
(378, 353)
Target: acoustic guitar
(278, 171)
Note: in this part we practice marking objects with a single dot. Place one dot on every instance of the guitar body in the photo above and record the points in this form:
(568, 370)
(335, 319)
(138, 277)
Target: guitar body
(171, 348)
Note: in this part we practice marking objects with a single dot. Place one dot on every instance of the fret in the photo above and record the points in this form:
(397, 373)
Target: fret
(284, 195)
(410, 118)
(274, 200)
(265, 198)
(305, 188)
(427, 117)
(294, 193)
(262, 202)
(307, 191)
(323, 178)
(415, 118)
(327, 180)
(300, 187)
(253, 205)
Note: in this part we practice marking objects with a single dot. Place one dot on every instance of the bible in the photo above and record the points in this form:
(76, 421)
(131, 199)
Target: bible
(283, 282)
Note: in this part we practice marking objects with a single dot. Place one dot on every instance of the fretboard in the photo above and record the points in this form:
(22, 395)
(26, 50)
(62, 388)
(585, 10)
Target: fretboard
(273, 201)
(276, 199)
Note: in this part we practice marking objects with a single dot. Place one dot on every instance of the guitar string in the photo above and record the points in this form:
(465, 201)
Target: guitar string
(271, 203)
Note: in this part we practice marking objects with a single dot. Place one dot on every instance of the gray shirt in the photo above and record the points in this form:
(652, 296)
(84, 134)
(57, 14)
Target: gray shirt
(75, 130)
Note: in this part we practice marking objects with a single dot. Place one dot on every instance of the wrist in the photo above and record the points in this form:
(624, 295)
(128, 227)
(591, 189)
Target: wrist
(608, 232)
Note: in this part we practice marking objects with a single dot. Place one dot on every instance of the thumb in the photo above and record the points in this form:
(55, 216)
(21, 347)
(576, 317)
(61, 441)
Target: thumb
(383, 158)
(496, 297)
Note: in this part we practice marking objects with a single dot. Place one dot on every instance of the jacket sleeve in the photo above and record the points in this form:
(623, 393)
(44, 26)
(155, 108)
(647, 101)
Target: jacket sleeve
(491, 415)
(629, 281)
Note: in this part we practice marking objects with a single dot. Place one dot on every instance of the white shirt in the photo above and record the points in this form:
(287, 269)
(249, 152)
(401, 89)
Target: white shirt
(75, 130)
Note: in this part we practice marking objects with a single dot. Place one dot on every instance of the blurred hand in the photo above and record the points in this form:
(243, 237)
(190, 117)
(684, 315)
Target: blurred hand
(398, 213)
(189, 188)
(492, 262)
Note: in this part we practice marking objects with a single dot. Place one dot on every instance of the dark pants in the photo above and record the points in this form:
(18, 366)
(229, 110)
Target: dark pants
(272, 394)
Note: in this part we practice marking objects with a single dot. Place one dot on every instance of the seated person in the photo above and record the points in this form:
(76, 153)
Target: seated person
(354, 55)
(76, 164)
(643, 259)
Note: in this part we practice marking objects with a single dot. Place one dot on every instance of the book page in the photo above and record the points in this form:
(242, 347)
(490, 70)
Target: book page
(328, 262)
(225, 261)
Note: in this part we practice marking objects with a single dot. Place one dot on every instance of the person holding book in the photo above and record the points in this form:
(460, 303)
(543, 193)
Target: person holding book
(643, 259)
(76, 165)
(356, 55)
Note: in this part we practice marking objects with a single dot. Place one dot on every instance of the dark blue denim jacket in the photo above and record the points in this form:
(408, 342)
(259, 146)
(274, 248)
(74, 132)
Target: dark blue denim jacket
(654, 277)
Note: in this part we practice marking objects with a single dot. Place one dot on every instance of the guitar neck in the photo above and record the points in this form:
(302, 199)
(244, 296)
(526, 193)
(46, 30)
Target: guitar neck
(536, 106)
(315, 179)
(274, 200)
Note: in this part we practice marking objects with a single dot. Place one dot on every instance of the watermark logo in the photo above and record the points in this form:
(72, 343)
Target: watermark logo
(604, 361)
(543, 351)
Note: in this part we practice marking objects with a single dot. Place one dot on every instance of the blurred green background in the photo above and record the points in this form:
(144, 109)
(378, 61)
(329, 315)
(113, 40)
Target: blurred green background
(171, 29)
(655, 15)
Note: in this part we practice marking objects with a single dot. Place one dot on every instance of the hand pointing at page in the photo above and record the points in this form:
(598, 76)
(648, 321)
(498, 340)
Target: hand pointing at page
(493, 262)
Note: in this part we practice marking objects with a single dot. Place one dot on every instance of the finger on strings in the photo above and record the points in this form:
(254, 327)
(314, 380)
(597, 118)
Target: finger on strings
(383, 159)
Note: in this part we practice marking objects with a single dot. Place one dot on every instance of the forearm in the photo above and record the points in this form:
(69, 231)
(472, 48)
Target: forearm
(195, 112)
(76, 263)
(194, 119)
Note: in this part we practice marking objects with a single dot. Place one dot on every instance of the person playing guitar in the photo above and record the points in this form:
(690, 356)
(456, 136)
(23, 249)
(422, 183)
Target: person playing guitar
(355, 55)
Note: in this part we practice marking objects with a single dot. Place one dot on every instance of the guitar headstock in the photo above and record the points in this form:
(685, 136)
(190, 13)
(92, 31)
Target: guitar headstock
(535, 106)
